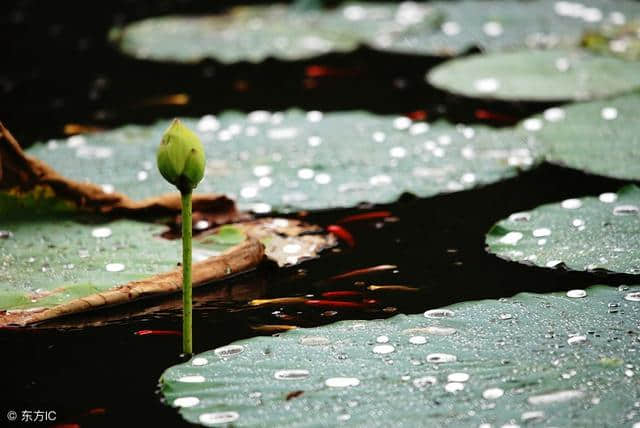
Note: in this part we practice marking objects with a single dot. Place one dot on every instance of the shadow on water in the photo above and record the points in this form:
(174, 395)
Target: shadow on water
(93, 369)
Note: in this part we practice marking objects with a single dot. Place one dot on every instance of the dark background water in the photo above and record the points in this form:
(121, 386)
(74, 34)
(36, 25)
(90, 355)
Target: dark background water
(93, 370)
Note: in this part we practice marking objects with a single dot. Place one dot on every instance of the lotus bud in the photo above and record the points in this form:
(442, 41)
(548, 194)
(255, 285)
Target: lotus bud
(180, 157)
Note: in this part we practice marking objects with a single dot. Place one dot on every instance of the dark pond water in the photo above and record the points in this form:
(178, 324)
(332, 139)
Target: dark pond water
(99, 370)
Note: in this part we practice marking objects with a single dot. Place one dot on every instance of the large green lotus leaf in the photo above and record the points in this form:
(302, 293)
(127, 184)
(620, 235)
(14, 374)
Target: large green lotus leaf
(301, 160)
(533, 358)
(592, 233)
(537, 75)
(500, 25)
(51, 260)
(600, 137)
(253, 33)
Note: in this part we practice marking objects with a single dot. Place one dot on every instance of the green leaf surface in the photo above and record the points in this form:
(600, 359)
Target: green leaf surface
(537, 75)
(599, 137)
(540, 359)
(71, 259)
(591, 233)
(500, 25)
(253, 33)
(301, 160)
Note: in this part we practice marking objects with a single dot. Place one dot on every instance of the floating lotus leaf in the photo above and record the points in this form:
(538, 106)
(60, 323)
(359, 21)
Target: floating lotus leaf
(534, 358)
(537, 75)
(298, 160)
(500, 25)
(592, 233)
(253, 33)
(600, 137)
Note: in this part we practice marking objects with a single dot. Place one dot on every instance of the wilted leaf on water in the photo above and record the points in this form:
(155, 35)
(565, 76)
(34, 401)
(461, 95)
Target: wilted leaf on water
(592, 233)
(35, 187)
(302, 160)
(537, 75)
(599, 137)
(532, 358)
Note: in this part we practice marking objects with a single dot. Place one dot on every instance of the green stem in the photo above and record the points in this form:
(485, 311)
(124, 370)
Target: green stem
(187, 331)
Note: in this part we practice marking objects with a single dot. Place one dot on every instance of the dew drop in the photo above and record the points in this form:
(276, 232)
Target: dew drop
(492, 28)
(114, 267)
(229, 351)
(609, 113)
(314, 341)
(577, 340)
(541, 232)
(439, 313)
(199, 361)
(305, 174)
(261, 208)
(632, 297)
(555, 397)
(402, 123)
(533, 124)
(314, 116)
(608, 198)
(576, 294)
(577, 222)
(441, 358)
(554, 114)
(378, 136)
(382, 339)
(424, 381)
(323, 178)
(511, 238)
(492, 393)
(521, 216)
(458, 377)
(454, 387)
(418, 128)
(192, 379)
(186, 401)
(534, 415)
(342, 382)
(262, 170)
(398, 152)
(486, 85)
(571, 204)
(450, 28)
(625, 210)
(291, 374)
(218, 418)
(505, 317)
(314, 141)
(383, 349)
(208, 123)
(249, 192)
(101, 232)
(417, 340)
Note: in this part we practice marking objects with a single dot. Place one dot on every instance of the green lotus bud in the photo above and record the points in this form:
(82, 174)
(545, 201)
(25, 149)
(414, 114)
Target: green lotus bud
(181, 157)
